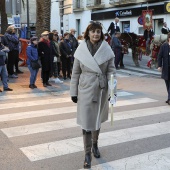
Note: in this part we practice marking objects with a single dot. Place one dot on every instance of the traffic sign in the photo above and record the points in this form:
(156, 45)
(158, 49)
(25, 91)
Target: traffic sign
(140, 20)
(17, 21)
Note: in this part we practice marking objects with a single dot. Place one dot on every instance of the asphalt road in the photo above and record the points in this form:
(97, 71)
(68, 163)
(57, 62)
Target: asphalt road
(38, 129)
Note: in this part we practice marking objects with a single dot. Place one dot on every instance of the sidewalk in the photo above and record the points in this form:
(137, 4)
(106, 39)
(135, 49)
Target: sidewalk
(21, 84)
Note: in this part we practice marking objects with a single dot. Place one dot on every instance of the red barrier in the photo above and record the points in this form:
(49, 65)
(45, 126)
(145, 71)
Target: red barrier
(23, 55)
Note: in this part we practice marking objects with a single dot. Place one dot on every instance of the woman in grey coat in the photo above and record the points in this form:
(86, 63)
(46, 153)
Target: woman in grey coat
(92, 69)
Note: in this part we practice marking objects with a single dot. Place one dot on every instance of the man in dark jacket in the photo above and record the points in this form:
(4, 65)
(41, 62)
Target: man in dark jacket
(3, 70)
(117, 48)
(114, 27)
(148, 34)
(46, 57)
(66, 54)
(164, 64)
(165, 29)
(73, 40)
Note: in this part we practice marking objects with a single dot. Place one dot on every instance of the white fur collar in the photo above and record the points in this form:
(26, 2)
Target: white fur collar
(103, 54)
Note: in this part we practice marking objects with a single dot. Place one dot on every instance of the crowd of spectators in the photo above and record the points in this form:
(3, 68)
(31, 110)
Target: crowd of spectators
(53, 52)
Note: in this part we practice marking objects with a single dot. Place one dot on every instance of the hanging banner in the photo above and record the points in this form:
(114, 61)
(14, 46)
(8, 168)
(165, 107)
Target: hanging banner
(147, 19)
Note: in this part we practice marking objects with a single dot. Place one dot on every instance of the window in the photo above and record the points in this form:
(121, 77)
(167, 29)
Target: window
(158, 23)
(125, 26)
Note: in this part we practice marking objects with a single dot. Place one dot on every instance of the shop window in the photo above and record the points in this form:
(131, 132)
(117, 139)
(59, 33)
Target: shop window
(158, 23)
(140, 30)
(125, 26)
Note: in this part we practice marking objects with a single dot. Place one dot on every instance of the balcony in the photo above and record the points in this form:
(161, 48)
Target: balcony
(93, 4)
(121, 2)
(78, 6)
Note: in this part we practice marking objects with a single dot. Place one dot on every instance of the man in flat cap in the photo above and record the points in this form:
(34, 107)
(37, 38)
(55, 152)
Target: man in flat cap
(73, 40)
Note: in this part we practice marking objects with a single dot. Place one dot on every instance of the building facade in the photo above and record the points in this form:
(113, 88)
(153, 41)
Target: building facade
(78, 13)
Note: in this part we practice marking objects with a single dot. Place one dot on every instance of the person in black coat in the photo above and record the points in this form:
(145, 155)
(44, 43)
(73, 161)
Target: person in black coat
(3, 70)
(73, 40)
(165, 29)
(114, 27)
(164, 64)
(148, 34)
(117, 48)
(66, 54)
(46, 57)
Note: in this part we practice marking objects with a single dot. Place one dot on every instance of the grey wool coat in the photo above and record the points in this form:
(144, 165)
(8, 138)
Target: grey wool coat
(89, 82)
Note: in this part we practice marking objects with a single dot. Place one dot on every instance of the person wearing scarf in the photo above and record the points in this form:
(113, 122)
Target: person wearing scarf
(44, 52)
(92, 69)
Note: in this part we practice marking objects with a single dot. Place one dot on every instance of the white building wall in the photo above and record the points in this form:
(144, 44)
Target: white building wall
(70, 21)
(32, 12)
(55, 17)
(85, 17)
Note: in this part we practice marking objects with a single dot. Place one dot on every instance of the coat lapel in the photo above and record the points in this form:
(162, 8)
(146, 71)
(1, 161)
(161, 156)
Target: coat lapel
(103, 54)
(83, 55)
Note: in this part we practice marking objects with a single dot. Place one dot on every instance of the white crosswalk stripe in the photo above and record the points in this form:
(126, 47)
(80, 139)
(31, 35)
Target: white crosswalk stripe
(156, 160)
(62, 124)
(38, 151)
(65, 100)
(67, 146)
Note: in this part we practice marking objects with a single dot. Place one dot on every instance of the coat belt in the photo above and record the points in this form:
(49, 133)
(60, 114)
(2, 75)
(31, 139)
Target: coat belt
(100, 80)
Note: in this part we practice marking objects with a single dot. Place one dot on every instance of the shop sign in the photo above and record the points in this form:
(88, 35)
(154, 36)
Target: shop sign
(122, 13)
(167, 7)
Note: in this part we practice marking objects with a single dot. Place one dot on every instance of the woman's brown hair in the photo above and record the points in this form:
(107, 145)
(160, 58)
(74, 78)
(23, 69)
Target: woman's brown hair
(93, 26)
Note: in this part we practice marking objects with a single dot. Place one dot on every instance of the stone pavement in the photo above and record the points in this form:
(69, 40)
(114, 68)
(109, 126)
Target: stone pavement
(21, 84)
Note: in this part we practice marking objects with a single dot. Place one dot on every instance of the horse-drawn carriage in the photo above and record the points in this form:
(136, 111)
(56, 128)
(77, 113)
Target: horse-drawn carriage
(138, 45)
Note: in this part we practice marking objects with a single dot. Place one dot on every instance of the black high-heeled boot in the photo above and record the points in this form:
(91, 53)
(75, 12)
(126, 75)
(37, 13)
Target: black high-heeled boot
(87, 148)
(87, 161)
(95, 151)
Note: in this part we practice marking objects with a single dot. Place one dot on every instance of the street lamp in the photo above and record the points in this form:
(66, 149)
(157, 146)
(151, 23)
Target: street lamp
(28, 23)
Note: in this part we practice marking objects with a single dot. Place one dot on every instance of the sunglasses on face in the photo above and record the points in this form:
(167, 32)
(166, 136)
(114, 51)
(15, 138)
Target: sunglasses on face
(95, 22)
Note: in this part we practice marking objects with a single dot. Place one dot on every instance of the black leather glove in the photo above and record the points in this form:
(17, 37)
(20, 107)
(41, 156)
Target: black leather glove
(74, 99)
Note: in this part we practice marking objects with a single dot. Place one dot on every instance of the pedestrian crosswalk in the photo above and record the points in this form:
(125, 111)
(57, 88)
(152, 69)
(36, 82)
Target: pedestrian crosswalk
(156, 160)
(15, 127)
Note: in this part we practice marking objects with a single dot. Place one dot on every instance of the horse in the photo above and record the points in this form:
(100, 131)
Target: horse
(139, 47)
(155, 45)
(130, 40)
